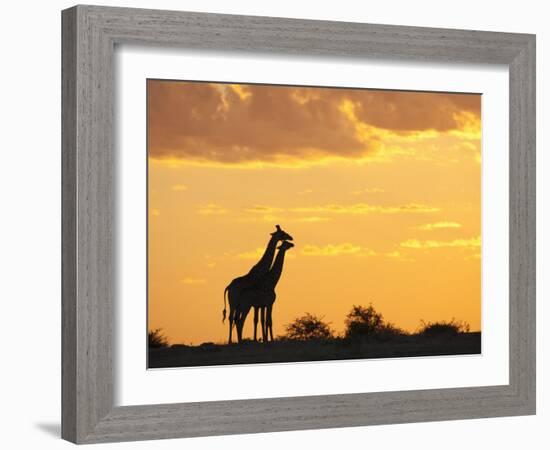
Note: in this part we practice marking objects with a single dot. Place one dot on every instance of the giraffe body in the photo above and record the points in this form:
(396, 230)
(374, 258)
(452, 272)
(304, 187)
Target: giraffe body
(234, 290)
(261, 296)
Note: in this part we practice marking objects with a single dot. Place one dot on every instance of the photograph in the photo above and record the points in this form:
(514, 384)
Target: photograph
(311, 223)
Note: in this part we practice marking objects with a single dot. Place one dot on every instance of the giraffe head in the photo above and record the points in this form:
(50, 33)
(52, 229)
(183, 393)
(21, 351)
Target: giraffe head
(281, 235)
(285, 245)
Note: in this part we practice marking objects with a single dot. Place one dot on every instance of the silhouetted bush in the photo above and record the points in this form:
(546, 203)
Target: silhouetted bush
(389, 330)
(443, 327)
(363, 321)
(308, 327)
(157, 339)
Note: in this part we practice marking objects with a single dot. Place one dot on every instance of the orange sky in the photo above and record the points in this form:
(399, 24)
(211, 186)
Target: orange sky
(381, 191)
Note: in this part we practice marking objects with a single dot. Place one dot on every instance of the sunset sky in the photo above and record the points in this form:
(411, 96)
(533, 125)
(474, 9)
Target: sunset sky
(381, 191)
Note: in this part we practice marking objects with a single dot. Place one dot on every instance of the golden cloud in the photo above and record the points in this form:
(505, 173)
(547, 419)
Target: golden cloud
(439, 225)
(374, 190)
(311, 219)
(229, 125)
(319, 213)
(336, 250)
(253, 254)
(262, 209)
(398, 256)
(274, 218)
(212, 209)
(365, 208)
(179, 187)
(394, 254)
(474, 242)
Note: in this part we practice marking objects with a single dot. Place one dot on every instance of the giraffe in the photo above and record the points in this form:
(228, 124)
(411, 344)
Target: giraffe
(262, 296)
(261, 268)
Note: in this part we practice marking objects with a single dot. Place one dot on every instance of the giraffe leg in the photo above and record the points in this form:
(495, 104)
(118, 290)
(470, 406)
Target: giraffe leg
(238, 325)
(264, 335)
(231, 319)
(255, 323)
(261, 320)
(240, 322)
(269, 322)
(232, 312)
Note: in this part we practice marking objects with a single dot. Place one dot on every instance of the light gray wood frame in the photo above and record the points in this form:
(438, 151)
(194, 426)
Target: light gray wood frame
(89, 36)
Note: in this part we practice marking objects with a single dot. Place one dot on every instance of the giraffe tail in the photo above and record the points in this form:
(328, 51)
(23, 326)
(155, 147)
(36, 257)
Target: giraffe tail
(224, 304)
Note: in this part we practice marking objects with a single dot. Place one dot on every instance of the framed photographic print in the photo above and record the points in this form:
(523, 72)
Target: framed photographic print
(267, 222)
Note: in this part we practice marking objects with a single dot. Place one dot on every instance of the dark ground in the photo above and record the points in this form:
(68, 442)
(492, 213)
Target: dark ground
(334, 349)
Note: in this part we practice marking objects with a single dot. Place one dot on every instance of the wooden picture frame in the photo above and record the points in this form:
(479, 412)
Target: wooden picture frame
(89, 37)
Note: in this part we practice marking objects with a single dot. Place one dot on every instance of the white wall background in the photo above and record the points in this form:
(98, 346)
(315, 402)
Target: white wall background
(30, 236)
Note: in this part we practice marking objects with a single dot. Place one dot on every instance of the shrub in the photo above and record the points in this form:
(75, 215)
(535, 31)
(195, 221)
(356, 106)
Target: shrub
(363, 321)
(388, 330)
(308, 327)
(157, 339)
(443, 328)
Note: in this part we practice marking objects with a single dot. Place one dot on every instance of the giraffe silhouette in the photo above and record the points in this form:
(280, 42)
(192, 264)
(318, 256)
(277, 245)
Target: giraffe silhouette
(262, 296)
(233, 290)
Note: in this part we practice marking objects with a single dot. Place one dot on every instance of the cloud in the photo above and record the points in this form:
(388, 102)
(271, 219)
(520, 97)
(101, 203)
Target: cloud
(212, 123)
(336, 250)
(343, 249)
(284, 218)
(263, 209)
(190, 280)
(253, 254)
(439, 225)
(374, 190)
(312, 219)
(366, 208)
(398, 256)
(319, 213)
(416, 111)
(212, 209)
(472, 243)
(179, 187)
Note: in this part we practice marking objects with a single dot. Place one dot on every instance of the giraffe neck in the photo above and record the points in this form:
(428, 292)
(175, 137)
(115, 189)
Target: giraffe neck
(263, 265)
(275, 272)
